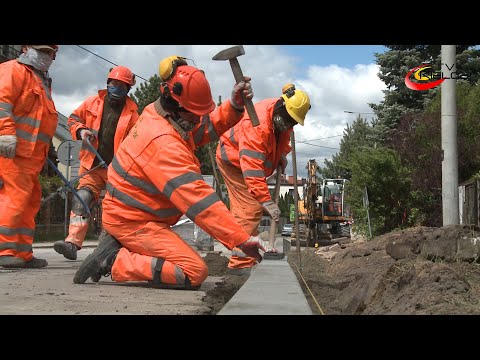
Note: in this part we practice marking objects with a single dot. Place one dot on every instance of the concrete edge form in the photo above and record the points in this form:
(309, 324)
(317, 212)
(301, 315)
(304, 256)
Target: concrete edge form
(271, 289)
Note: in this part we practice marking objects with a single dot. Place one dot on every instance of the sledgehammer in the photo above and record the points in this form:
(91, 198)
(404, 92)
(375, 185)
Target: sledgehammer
(231, 55)
(273, 224)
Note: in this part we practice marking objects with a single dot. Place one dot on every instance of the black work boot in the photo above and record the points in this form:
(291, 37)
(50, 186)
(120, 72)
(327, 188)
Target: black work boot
(9, 260)
(96, 277)
(98, 262)
(33, 263)
(67, 249)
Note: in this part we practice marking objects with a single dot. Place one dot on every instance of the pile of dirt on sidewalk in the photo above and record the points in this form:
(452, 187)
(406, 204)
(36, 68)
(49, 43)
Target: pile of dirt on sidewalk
(415, 271)
(228, 285)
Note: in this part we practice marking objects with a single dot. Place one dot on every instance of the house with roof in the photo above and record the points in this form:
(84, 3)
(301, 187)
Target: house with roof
(287, 184)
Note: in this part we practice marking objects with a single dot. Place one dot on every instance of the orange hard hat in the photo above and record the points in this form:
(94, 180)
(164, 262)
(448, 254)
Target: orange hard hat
(190, 88)
(122, 73)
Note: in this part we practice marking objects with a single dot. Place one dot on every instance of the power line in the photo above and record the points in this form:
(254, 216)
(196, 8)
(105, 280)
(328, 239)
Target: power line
(328, 137)
(101, 57)
(356, 112)
(86, 57)
(326, 147)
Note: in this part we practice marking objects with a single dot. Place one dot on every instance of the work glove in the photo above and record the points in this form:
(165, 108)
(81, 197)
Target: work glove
(283, 163)
(8, 144)
(244, 87)
(84, 133)
(272, 209)
(250, 248)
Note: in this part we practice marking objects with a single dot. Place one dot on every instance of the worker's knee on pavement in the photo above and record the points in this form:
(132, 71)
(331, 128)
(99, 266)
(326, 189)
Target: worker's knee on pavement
(168, 275)
(198, 276)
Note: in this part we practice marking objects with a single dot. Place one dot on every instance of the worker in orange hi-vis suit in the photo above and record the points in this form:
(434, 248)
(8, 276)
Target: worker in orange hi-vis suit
(247, 155)
(155, 178)
(28, 120)
(106, 118)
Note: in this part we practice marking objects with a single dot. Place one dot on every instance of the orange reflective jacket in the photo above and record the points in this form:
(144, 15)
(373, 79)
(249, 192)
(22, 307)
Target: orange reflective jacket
(255, 150)
(89, 116)
(155, 176)
(26, 108)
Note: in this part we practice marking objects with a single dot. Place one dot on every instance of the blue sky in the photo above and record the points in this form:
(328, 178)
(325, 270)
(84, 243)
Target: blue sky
(341, 55)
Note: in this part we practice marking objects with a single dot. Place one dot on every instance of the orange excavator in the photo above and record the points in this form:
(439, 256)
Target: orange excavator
(324, 208)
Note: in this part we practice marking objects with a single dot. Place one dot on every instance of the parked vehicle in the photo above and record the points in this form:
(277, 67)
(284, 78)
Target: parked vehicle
(287, 230)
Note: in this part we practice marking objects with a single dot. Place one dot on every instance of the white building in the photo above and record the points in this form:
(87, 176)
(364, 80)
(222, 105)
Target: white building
(287, 185)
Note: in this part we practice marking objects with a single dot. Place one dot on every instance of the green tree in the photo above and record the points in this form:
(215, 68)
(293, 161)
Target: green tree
(202, 153)
(355, 137)
(50, 184)
(399, 100)
(418, 143)
(281, 204)
(379, 170)
(147, 92)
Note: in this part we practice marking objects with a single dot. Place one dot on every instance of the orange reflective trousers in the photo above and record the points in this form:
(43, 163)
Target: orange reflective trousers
(144, 243)
(246, 209)
(20, 198)
(95, 181)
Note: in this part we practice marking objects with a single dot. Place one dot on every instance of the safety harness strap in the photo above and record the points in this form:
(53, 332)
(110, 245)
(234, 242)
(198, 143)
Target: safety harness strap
(157, 279)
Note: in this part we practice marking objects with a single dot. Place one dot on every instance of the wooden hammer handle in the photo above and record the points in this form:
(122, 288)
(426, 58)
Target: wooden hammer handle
(238, 74)
(273, 225)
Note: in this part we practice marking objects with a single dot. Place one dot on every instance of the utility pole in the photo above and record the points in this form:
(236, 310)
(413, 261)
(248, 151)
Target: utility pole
(449, 138)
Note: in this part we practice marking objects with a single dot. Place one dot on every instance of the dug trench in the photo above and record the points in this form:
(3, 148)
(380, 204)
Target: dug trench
(417, 271)
(224, 290)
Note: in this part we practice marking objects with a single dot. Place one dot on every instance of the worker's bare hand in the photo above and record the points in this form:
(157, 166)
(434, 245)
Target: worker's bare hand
(84, 133)
(251, 248)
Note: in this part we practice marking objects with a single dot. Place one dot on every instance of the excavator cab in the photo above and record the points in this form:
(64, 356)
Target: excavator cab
(333, 196)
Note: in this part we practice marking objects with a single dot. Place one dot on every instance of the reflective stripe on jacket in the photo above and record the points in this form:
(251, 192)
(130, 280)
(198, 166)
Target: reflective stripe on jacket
(155, 176)
(26, 108)
(89, 116)
(255, 150)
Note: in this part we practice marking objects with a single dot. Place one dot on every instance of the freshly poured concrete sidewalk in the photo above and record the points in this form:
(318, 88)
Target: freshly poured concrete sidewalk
(271, 289)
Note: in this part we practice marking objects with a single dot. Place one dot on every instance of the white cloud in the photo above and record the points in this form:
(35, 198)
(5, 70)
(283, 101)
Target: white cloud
(77, 74)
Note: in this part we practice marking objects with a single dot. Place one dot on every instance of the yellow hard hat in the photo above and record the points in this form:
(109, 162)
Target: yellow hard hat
(297, 103)
(169, 64)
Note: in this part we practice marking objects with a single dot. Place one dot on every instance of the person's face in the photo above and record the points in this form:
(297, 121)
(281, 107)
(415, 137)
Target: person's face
(289, 121)
(283, 119)
(188, 116)
(50, 52)
(118, 83)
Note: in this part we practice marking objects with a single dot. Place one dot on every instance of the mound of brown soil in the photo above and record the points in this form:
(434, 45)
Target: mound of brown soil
(415, 271)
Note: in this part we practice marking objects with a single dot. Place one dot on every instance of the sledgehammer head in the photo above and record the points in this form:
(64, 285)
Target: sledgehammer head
(230, 53)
